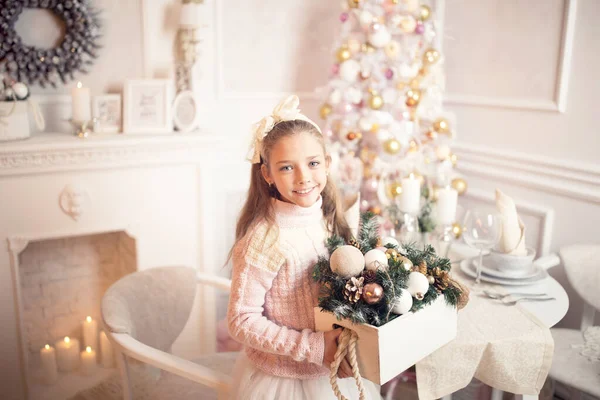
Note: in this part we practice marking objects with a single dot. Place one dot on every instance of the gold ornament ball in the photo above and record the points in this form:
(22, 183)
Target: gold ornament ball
(376, 102)
(394, 190)
(375, 210)
(372, 293)
(431, 56)
(441, 125)
(457, 230)
(391, 146)
(354, 3)
(460, 185)
(374, 127)
(343, 54)
(413, 97)
(406, 263)
(454, 159)
(325, 110)
(424, 12)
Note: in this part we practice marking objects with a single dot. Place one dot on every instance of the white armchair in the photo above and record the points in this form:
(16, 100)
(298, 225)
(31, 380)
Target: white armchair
(582, 266)
(143, 314)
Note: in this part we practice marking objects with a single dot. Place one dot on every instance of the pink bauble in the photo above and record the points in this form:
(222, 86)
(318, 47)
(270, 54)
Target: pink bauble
(420, 28)
(335, 68)
(344, 17)
(389, 73)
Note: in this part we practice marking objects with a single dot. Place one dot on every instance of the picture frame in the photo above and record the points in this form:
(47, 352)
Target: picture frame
(186, 115)
(147, 106)
(107, 112)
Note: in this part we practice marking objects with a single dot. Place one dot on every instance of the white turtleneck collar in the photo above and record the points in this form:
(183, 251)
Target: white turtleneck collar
(289, 215)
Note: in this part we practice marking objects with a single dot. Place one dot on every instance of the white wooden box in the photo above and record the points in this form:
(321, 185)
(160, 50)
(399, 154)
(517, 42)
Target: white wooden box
(386, 351)
(14, 120)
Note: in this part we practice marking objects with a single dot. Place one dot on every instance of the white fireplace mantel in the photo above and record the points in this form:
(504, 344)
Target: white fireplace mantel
(160, 190)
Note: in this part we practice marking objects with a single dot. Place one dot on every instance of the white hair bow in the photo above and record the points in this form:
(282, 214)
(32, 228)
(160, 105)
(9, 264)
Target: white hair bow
(286, 110)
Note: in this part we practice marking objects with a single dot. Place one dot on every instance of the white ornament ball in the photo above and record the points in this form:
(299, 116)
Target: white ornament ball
(390, 240)
(366, 18)
(365, 123)
(349, 70)
(442, 152)
(380, 37)
(404, 303)
(408, 71)
(21, 90)
(347, 261)
(335, 97)
(375, 259)
(417, 283)
(389, 95)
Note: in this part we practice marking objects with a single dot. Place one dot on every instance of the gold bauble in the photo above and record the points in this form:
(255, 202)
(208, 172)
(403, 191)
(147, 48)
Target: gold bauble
(400, 85)
(376, 102)
(367, 48)
(375, 210)
(354, 3)
(413, 147)
(441, 125)
(343, 54)
(374, 127)
(406, 263)
(413, 97)
(457, 230)
(392, 146)
(460, 185)
(372, 293)
(454, 159)
(424, 12)
(394, 190)
(431, 56)
(415, 83)
(325, 110)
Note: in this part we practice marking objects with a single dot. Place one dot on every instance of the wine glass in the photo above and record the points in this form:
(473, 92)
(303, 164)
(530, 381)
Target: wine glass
(481, 231)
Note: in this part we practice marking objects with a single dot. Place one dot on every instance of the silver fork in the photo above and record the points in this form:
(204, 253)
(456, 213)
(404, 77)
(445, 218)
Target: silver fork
(513, 302)
(500, 296)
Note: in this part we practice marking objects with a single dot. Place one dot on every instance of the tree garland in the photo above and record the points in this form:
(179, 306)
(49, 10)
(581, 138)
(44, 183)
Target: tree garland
(46, 66)
(392, 279)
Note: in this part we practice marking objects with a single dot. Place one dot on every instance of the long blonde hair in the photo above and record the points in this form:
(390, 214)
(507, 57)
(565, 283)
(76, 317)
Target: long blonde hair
(259, 207)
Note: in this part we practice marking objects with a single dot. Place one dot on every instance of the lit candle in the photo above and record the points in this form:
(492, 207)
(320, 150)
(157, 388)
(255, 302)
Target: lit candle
(446, 206)
(411, 195)
(90, 332)
(88, 361)
(48, 357)
(106, 351)
(81, 105)
(67, 354)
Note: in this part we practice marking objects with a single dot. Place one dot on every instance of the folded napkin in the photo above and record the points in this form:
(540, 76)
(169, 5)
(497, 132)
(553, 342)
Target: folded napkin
(512, 240)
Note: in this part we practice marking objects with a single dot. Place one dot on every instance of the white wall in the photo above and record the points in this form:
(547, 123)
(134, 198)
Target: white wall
(510, 67)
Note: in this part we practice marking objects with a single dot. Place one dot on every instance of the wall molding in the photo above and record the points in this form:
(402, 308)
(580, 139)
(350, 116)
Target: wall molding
(567, 178)
(559, 102)
(544, 214)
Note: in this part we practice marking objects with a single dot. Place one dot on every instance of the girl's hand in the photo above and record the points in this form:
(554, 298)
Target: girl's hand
(331, 346)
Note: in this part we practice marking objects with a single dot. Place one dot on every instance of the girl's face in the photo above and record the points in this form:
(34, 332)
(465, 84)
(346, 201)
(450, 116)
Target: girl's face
(298, 168)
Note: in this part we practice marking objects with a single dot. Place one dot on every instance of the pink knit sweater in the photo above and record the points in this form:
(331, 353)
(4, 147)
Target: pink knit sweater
(273, 294)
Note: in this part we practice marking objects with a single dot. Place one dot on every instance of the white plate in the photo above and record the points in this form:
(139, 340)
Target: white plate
(533, 271)
(467, 267)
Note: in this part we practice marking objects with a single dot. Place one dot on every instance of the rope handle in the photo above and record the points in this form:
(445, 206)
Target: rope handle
(346, 346)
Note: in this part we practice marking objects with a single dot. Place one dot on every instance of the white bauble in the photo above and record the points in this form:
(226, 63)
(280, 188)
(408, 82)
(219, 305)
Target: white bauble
(335, 97)
(347, 261)
(353, 95)
(390, 240)
(389, 95)
(403, 303)
(383, 135)
(375, 259)
(380, 37)
(408, 71)
(443, 152)
(349, 70)
(365, 124)
(366, 18)
(417, 284)
(21, 90)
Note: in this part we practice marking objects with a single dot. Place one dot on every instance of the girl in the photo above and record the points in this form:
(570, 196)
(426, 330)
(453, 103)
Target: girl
(290, 211)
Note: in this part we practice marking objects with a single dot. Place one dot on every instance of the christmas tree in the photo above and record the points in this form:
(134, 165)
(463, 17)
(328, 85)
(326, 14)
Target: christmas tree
(383, 112)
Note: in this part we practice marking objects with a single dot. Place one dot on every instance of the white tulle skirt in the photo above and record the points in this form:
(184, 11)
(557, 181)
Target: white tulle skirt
(249, 383)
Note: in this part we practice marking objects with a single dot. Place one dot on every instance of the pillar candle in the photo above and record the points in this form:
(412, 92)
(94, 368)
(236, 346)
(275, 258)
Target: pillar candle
(106, 350)
(446, 206)
(411, 195)
(90, 332)
(81, 105)
(67, 354)
(48, 357)
(88, 361)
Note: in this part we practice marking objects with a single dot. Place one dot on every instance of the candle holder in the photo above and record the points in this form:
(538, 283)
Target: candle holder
(410, 232)
(445, 240)
(83, 129)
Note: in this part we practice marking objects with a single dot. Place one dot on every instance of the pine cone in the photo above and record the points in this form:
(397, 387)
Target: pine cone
(422, 267)
(370, 276)
(354, 289)
(354, 242)
(441, 279)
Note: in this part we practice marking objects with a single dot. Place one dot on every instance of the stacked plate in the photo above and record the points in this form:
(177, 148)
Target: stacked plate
(527, 276)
